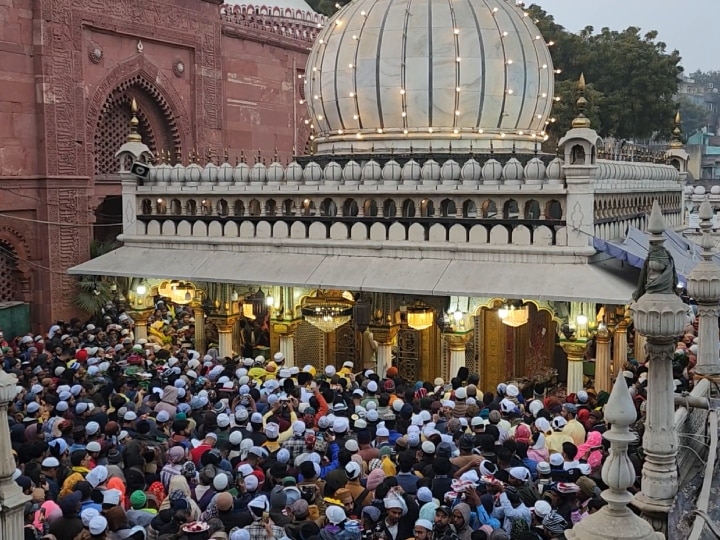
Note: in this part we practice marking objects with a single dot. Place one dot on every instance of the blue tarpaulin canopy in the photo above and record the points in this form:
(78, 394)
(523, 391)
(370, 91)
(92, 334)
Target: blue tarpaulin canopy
(634, 250)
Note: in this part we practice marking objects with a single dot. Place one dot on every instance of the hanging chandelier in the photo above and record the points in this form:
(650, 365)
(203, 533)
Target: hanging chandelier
(420, 316)
(328, 313)
(514, 315)
(179, 292)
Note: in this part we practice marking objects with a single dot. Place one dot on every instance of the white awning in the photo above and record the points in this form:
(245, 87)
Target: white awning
(437, 277)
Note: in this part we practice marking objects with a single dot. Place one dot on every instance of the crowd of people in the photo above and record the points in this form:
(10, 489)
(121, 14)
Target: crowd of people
(123, 438)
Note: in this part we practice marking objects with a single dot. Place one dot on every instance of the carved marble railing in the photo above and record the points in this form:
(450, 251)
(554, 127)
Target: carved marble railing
(623, 175)
(297, 24)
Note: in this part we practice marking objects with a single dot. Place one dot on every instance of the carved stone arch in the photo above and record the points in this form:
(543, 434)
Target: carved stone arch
(15, 251)
(162, 116)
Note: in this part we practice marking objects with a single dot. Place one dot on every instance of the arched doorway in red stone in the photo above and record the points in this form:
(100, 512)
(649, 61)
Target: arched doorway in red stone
(157, 127)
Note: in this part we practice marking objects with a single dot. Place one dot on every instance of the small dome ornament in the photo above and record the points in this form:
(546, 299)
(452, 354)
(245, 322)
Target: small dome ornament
(225, 171)
(275, 171)
(677, 132)
(241, 174)
(581, 121)
(411, 171)
(392, 172)
(333, 172)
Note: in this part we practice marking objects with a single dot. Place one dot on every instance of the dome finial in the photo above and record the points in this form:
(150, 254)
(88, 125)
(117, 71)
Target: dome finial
(581, 121)
(134, 136)
(677, 132)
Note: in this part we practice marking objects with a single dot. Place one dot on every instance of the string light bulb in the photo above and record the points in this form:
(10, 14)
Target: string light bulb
(405, 131)
(550, 43)
(338, 22)
(457, 88)
(505, 34)
(355, 117)
(363, 13)
(509, 62)
(457, 113)
(322, 41)
(457, 59)
(403, 114)
(352, 94)
(481, 131)
(302, 102)
(339, 131)
(495, 10)
(457, 31)
(510, 91)
(456, 131)
(320, 117)
(350, 66)
(557, 98)
(402, 91)
(359, 135)
(314, 68)
(355, 36)
(379, 130)
(430, 130)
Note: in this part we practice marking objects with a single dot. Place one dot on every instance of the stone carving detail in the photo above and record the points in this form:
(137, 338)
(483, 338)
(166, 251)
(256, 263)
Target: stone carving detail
(95, 53)
(179, 68)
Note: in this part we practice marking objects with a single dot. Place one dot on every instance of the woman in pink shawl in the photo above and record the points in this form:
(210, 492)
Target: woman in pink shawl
(537, 451)
(591, 451)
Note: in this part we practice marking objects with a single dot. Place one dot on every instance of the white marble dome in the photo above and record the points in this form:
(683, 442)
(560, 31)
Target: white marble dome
(388, 74)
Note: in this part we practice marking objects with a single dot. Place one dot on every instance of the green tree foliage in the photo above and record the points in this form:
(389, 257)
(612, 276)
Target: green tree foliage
(326, 7)
(92, 294)
(694, 117)
(633, 78)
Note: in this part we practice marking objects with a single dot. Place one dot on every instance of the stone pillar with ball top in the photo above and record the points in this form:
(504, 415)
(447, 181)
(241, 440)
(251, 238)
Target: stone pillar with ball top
(659, 315)
(704, 286)
(616, 521)
(12, 498)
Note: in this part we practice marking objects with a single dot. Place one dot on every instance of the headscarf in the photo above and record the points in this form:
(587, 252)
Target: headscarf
(594, 440)
(555, 523)
(522, 433)
(394, 500)
(179, 489)
(116, 483)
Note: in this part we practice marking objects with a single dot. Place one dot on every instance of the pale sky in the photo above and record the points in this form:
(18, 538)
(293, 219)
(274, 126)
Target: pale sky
(690, 26)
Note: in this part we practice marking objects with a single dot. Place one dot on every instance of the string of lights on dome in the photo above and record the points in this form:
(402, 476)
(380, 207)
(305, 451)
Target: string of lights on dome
(455, 130)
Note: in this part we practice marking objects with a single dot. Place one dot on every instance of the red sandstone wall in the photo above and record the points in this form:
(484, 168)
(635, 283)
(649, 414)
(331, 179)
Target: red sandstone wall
(236, 91)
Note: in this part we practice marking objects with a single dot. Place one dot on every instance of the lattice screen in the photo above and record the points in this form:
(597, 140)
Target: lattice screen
(470, 361)
(7, 273)
(408, 358)
(310, 346)
(473, 364)
(157, 124)
(346, 345)
(445, 360)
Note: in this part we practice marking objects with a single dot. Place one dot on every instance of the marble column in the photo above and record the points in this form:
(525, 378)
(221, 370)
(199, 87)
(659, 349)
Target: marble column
(575, 351)
(140, 317)
(287, 347)
(12, 499)
(384, 336)
(456, 344)
(615, 520)
(225, 336)
(639, 348)
(704, 286)
(199, 327)
(660, 316)
(620, 344)
(602, 360)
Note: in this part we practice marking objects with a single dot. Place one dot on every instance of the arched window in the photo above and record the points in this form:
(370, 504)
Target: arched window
(489, 209)
(205, 207)
(192, 207)
(448, 208)
(427, 208)
(254, 208)
(239, 209)
(161, 207)
(469, 209)
(308, 208)
(8, 272)
(511, 209)
(146, 207)
(389, 208)
(270, 207)
(532, 209)
(222, 208)
(288, 207)
(350, 208)
(175, 207)
(328, 208)
(370, 208)
(553, 210)
(408, 209)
